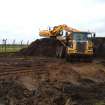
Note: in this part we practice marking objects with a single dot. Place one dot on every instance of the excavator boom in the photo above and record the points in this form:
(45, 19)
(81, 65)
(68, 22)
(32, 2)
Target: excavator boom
(56, 30)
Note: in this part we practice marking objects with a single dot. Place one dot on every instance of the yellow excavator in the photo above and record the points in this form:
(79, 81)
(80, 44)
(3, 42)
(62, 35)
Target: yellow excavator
(73, 44)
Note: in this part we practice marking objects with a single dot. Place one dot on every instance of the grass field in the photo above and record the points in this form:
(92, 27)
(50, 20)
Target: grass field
(11, 48)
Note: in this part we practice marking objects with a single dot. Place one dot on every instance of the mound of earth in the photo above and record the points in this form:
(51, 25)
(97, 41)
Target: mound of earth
(40, 47)
(99, 43)
(47, 47)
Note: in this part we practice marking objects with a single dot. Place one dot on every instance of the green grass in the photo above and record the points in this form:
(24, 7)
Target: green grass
(100, 103)
(11, 48)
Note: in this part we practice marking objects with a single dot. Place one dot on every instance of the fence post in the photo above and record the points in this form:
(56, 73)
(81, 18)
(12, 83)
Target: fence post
(21, 43)
(27, 42)
(13, 42)
(4, 42)
(2, 45)
(13, 45)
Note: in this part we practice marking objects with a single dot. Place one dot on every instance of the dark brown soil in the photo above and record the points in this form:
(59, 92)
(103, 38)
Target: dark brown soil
(52, 82)
(100, 47)
(40, 47)
(47, 47)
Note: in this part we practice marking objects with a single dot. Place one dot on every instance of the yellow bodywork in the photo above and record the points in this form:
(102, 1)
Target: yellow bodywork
(45, 33)
(56, 30)
(70, 50)
(88, 50)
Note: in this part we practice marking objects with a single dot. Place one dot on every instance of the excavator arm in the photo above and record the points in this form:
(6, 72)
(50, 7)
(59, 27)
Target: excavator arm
(56, 31)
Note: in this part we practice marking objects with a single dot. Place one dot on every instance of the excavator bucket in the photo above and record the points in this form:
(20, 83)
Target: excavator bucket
(45, 33)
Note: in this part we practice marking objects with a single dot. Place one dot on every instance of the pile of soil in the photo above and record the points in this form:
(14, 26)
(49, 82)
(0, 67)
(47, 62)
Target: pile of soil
(99, 43)
(47, 47)
(40, 47)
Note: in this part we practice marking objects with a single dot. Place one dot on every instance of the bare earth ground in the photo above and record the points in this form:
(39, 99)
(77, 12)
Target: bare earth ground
(51, 81)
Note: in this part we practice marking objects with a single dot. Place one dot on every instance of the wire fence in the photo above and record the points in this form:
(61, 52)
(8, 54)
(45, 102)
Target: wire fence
(12, 46)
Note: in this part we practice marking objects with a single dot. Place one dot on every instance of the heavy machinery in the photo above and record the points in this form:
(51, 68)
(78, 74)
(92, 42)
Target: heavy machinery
(72, 43)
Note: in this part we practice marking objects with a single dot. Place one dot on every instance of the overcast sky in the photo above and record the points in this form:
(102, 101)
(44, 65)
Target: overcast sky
(21, 19)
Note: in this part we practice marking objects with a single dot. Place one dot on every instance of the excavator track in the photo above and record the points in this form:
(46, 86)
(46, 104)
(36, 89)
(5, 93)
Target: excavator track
(14, 67)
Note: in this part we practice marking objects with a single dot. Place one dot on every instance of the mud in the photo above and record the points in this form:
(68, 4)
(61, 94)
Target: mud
(52, 82)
